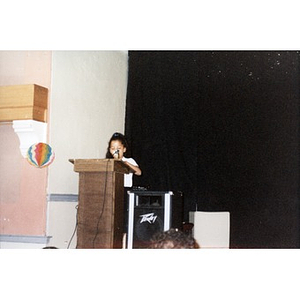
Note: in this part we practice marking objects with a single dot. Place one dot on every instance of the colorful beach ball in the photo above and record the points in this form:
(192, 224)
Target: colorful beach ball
(40, 155)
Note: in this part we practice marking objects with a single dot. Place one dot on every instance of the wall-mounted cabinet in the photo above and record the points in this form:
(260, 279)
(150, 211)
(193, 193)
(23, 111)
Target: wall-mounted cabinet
(23, 102)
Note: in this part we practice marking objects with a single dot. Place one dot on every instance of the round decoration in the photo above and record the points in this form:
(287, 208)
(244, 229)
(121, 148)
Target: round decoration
(40, 155)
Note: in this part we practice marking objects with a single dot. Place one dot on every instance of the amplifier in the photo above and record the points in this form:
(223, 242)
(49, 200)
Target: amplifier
(150, 212)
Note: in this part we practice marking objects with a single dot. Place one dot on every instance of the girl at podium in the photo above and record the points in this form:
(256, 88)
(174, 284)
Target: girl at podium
(116, 149)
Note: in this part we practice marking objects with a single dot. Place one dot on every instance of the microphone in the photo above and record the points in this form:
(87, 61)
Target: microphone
(116, 154)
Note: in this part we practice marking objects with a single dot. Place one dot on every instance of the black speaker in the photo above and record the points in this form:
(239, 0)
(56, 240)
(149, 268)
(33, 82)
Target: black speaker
(150, 212)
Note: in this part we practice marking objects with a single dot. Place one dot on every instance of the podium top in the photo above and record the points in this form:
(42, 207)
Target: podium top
(100, 165)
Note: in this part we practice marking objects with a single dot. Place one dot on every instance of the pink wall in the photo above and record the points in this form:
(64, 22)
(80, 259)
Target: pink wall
(23, 188)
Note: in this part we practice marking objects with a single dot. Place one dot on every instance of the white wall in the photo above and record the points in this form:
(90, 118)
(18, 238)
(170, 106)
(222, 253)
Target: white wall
(87, 105)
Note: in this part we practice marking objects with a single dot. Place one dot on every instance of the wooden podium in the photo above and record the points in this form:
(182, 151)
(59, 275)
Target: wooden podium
(100, 214)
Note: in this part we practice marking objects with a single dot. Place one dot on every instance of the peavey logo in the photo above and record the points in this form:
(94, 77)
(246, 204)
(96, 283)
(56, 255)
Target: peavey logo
(150, 218)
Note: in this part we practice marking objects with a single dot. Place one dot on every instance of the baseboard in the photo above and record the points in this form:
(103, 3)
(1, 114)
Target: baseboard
(31, 239)
(62, 197)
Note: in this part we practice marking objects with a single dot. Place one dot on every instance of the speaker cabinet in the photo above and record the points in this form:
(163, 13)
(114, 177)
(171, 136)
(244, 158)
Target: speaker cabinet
(150, 212)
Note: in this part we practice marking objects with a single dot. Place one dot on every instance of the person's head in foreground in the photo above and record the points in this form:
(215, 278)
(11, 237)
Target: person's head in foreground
(173, 239)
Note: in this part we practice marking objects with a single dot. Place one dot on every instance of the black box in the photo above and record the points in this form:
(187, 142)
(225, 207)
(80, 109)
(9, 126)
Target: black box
(150, 212)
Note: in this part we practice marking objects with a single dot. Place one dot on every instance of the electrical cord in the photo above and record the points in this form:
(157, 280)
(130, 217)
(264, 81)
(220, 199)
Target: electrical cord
(75, 229)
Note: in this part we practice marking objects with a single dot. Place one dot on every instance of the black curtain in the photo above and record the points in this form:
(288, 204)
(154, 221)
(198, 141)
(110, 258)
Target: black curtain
(223, 128)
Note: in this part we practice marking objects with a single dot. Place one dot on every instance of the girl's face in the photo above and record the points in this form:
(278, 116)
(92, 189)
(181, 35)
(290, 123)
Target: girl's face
(117, 145)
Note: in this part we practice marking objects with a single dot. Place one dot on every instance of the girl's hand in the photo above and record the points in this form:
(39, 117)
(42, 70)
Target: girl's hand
(137, 170)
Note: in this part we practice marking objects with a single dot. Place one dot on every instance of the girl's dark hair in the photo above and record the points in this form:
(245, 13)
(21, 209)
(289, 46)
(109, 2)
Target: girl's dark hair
(116, 137)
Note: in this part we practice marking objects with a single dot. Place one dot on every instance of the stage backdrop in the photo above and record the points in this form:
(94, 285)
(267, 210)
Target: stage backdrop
(223, 128)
